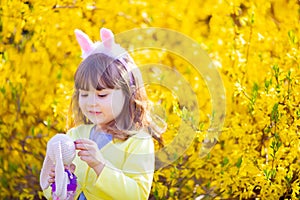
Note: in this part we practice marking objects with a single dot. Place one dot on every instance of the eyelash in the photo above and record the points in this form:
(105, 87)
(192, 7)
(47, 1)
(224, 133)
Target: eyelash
(102, 95)
(99, 95)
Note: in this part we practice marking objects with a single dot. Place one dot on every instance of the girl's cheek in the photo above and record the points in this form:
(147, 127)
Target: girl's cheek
(80, 101)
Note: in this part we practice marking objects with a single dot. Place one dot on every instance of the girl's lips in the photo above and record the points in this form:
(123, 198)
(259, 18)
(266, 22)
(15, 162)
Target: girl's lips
(94, 112)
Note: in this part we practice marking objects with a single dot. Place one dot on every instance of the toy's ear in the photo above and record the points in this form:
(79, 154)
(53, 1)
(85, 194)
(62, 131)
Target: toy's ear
(84, 41)
(60, 175)
(107, 37)
(44, 176)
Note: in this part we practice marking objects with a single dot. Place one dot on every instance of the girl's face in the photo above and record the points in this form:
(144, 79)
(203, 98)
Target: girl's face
(101, 106)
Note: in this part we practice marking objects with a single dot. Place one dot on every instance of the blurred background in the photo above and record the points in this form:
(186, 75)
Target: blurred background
(253, 44)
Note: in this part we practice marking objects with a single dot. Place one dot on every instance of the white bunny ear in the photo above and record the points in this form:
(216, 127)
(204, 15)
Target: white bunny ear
(44, 175)
(60, 179)
(107, 37)
(84, 41)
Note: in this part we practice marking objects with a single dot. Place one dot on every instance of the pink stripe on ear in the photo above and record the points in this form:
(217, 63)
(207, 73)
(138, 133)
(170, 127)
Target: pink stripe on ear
(107, 37)
(84, 41)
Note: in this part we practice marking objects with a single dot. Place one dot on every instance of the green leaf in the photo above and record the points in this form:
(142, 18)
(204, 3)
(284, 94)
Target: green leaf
(225, 161)
(275, 113)
(239, 162)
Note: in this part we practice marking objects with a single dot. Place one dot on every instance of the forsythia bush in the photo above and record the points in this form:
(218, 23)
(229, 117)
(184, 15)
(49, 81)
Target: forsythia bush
(254, 44)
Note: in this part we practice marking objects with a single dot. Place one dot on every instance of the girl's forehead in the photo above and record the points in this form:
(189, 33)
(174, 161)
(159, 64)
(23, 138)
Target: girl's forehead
(91, 84)
(93, 87)
(89, 78)
(90, 87)
(95, 90)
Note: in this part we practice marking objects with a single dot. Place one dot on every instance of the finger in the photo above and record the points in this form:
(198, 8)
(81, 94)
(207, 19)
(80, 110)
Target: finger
(88, 159)
(83, 141)
(52, 169)
(51, 180)
(82, 146)
(86, 142)
(52, 174)
(84, 153)
(71, 167)
(88, 153)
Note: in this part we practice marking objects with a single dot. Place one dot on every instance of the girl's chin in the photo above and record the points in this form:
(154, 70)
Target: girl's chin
(96, 121)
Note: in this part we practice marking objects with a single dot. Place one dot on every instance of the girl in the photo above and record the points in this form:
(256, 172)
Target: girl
(113, 129)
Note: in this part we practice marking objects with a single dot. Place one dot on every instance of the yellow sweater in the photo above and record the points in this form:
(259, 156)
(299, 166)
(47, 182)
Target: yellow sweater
(128, 172)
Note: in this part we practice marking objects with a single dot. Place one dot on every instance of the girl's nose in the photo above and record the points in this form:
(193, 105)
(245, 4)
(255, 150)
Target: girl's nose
(92, 100)
(92, 103)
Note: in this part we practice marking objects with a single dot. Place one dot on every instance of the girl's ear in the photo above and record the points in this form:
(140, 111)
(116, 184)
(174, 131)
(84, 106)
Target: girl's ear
(107, 37)
(84, 41)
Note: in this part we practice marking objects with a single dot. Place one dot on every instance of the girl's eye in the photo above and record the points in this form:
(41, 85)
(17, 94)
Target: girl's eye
(102, 95)
(83, 95)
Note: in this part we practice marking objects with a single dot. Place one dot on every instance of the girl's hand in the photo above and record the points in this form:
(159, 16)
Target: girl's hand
(71, 168)
(51, 180)
(52, 175)
(89, 152)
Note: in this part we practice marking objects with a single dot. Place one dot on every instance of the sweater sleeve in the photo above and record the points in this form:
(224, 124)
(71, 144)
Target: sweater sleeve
(47, 193)
(134, 180)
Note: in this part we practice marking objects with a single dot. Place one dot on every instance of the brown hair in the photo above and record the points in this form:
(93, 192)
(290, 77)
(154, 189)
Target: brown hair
(101, 71)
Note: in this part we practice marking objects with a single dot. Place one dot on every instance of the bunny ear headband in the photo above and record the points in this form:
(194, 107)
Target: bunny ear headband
(107, 47)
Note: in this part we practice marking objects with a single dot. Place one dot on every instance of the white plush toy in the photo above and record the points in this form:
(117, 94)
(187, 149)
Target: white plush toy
(60, 152)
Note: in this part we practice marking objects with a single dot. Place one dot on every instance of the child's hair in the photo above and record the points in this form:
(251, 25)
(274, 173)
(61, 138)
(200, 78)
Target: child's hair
(101, 71)
(107, 65)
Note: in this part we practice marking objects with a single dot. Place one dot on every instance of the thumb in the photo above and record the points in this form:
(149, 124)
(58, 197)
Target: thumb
(71, 167)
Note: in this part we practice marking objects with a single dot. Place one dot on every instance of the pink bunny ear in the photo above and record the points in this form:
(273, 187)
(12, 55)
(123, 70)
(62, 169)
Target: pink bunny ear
(84, 41)
(107, 37)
